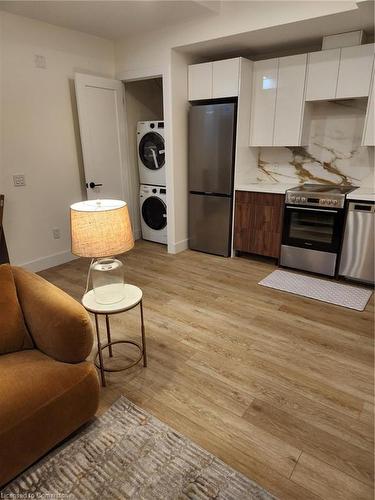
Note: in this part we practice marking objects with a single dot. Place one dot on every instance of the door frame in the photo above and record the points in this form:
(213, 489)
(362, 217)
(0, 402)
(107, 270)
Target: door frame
(163, 73)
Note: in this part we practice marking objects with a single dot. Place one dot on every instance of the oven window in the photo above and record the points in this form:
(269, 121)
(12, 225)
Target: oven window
(310, 225)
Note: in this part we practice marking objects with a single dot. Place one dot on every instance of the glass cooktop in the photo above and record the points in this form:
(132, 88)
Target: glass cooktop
(323, 188)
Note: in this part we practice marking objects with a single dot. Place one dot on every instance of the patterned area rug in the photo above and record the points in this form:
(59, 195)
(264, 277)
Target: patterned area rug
(128, 454)
(352, 297)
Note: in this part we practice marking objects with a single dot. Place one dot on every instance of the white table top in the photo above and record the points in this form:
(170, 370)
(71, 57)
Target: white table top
(133, 296)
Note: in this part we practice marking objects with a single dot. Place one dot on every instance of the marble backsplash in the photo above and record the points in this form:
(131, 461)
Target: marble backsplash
(334, 154)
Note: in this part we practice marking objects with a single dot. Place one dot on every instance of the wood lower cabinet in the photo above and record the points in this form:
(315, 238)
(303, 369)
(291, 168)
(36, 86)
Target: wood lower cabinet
(258, 223)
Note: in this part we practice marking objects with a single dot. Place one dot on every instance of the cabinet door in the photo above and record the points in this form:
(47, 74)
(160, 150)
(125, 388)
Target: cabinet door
(290, 100)
(200, 81)
(263, 103)
(368, 131)
(258, 223)
(355, 71)
(225, 78)
(322, 74)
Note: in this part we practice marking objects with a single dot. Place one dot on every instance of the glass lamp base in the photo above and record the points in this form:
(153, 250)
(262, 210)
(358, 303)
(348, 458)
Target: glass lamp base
(108, 280)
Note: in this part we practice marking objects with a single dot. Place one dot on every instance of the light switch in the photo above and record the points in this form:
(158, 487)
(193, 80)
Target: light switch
(19, 180)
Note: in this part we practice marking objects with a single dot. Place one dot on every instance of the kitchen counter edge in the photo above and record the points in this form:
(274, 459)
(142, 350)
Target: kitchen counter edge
(362, 194)
(265, 188)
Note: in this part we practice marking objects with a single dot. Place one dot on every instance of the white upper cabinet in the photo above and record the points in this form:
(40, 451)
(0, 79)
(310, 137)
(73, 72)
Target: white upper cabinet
(263, 102)
(214, 79)
(290, 100)
(322, 74)
(368, 131)
(355, 71)
(278, 101)
(225, 78)
(200, 81)
(339, 73)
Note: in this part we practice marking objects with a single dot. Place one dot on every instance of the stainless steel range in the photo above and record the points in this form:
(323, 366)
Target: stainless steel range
(313, 227)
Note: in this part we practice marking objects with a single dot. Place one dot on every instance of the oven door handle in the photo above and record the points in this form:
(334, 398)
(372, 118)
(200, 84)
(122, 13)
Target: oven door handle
(312, 209)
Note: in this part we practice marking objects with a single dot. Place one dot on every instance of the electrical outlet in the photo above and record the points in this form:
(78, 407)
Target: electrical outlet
(56, 233)
(40, 61)
(19, 180)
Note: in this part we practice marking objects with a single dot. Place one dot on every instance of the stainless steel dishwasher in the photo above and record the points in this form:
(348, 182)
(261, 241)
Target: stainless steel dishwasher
(357, 256)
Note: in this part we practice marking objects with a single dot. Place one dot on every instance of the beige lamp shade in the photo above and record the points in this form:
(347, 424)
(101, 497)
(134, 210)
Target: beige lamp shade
(100, 228)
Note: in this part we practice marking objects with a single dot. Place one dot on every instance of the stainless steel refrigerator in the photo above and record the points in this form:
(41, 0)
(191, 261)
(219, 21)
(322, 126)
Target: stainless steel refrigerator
(212, 129)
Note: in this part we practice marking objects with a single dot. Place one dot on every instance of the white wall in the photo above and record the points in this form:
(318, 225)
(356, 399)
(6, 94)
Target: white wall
(39, 133)
(144, 102)
(178, 187)
(152, 53)
(153, 48)
(1, 109)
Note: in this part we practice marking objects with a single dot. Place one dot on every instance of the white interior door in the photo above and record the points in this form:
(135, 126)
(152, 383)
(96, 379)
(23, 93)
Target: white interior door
(101, 113)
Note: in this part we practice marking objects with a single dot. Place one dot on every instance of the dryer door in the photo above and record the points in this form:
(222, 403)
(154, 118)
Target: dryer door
(154, 213)
(152, 150)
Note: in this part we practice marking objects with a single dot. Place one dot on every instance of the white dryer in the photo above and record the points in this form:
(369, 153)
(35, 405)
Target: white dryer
(151, 152)
(153, 206)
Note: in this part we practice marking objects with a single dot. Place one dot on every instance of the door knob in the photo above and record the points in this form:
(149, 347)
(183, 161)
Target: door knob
(93, 185)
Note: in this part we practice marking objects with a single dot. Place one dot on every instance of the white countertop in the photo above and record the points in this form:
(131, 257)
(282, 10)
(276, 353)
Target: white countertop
(362, 193)
(263, 187)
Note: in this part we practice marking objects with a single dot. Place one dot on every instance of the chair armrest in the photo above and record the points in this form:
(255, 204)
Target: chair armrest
(59, 325)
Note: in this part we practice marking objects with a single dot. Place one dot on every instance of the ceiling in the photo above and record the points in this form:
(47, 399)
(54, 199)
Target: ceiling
(292, 37)
(119, 19)
(112, 19)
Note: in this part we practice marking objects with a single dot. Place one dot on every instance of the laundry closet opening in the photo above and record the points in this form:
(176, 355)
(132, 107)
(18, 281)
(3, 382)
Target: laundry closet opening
(146, 133)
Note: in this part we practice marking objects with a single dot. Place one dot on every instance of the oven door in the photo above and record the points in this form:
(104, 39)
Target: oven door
(313, 228)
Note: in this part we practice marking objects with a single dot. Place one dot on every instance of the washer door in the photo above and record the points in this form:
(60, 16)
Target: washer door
(154, 213)
(151, 150)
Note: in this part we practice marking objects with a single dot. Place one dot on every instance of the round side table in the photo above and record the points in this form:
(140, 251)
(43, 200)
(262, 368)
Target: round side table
(133, 297)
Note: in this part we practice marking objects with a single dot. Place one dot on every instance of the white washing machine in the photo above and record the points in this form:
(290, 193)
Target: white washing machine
(153, 206)
(151, 153)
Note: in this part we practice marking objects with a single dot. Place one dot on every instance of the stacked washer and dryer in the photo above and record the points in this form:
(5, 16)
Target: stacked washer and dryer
(152, 192)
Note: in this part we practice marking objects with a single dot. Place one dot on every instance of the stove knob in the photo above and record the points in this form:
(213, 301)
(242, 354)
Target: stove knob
(303, 199)
(292, 198)
(322, 202)
(335, 202)
(298, 198)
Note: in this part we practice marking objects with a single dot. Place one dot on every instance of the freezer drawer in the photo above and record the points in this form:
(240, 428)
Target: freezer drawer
(357, 256)
(210, 219)
(211, 147)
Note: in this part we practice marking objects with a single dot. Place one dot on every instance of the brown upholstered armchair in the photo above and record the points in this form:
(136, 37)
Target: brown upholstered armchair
(47, 389)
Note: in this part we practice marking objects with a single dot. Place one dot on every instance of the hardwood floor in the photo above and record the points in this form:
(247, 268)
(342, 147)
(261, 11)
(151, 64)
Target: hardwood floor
(279, 387)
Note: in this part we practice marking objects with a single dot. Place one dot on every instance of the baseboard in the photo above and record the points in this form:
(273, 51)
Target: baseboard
(178, 247)
(49, 261)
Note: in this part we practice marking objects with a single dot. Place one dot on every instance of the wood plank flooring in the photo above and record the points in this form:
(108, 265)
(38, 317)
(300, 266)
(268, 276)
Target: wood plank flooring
(279, 387)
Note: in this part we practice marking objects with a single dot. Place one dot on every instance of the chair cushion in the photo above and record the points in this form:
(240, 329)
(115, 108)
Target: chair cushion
(42, 401)
(13, 332)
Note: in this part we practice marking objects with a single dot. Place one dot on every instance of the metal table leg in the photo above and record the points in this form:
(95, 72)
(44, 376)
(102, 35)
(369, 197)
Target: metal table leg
(101, 366)
(143, 336)
(108, 336)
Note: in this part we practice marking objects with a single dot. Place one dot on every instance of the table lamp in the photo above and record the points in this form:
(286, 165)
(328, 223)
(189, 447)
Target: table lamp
(101, 229)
